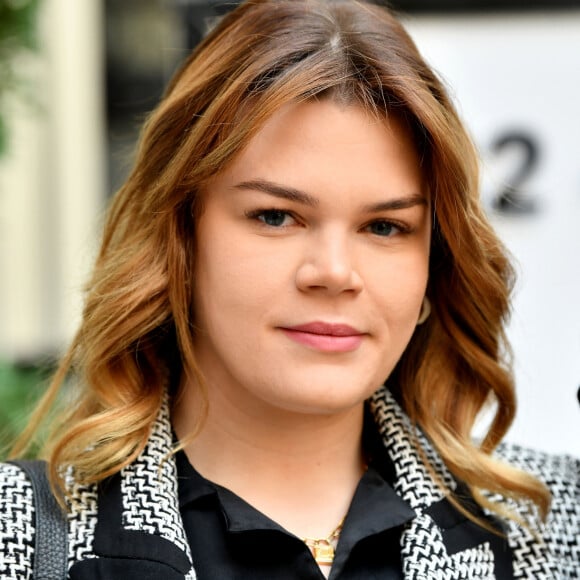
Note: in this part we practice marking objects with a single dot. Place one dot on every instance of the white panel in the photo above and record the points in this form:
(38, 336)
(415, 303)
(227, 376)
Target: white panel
(23, 232)
(522, 73)
(76, 97)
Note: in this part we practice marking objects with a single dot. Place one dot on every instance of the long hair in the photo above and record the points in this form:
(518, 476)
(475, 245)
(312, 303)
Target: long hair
(137, 331)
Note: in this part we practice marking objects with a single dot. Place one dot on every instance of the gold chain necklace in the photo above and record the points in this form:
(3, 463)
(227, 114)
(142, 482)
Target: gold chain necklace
(323, 548)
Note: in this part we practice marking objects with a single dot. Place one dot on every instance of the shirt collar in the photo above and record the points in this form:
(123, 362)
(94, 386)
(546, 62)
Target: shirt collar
(192, 486)
(375, 507)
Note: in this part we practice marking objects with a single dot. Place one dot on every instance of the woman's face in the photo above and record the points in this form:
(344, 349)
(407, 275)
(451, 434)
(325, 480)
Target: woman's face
(312, 262)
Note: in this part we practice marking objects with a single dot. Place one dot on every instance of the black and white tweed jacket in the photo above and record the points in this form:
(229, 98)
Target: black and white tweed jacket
(132, 527)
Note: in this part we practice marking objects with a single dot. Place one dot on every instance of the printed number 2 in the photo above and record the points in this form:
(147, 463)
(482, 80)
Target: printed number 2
(512, 198)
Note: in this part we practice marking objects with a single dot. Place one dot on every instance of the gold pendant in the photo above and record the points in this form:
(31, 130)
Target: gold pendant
(323, 553)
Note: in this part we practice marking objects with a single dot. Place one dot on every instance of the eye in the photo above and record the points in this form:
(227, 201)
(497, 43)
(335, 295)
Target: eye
(383, 228)
(274, 218)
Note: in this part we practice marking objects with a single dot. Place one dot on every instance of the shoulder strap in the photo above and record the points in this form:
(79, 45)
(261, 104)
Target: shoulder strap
(50, 551)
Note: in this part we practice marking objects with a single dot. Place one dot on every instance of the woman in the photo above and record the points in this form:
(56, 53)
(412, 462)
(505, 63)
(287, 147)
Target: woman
(299, 295)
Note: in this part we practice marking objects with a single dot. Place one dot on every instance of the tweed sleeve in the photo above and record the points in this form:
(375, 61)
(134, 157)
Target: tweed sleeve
(561, 532)
(16, 524)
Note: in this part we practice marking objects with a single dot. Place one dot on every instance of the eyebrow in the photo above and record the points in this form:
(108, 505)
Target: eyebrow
(398, 203)
(292, 194)
(281, 191)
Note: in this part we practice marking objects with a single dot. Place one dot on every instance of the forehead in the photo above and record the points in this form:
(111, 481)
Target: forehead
(315, 142)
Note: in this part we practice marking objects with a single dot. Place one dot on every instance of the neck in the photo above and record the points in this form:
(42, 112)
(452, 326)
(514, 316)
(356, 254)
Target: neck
(299, 469)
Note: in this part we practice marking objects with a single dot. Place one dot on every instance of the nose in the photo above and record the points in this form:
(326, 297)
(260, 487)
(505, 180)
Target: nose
(328, 265)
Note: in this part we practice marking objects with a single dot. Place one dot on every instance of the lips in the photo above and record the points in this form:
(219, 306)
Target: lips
(326, 337)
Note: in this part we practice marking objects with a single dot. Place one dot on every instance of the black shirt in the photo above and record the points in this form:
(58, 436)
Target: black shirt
(230, 539)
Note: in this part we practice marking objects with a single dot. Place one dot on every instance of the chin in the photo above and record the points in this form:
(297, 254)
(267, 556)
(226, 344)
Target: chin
(327, 398)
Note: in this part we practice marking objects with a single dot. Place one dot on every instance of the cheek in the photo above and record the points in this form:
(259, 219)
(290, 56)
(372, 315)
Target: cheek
(234, 281)
(398, 285)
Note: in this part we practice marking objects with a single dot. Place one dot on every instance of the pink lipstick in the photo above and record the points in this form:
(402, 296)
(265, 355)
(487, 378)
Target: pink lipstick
(326, 337)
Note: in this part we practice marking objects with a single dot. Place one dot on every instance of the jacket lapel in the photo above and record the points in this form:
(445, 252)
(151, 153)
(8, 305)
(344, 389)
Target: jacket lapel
(413, 483)
(138, 519)
(424, 553)
(423, 550)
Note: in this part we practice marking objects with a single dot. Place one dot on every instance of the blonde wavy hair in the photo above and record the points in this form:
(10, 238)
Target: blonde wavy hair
(136, 332)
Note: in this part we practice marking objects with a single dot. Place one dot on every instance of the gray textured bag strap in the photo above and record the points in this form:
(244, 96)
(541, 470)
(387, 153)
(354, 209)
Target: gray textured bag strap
(50, 550)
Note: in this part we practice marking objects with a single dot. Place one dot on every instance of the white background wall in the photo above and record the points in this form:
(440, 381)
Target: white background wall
(522, 72)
